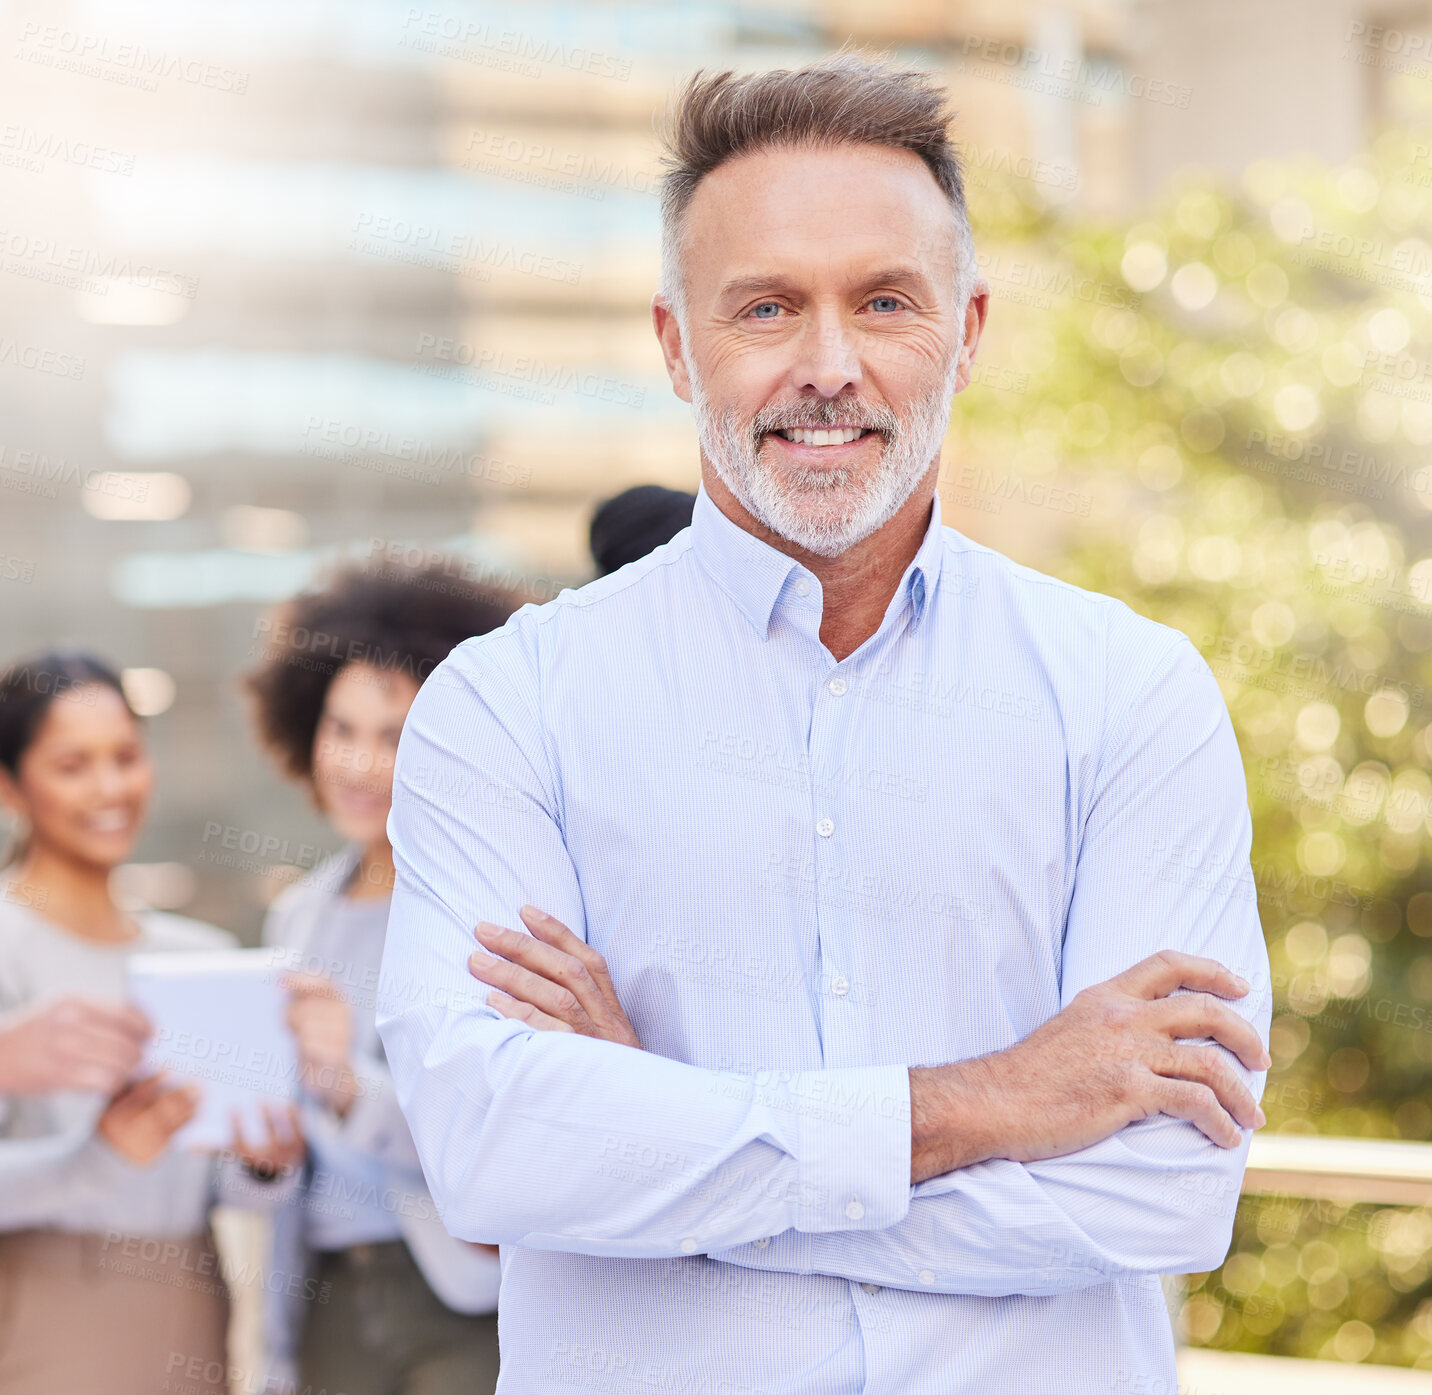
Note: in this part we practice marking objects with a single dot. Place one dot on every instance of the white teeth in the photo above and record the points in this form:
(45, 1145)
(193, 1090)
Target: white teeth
(109, 822)
(808, 437)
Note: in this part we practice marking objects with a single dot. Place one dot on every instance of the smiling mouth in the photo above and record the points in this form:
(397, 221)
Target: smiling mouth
(823, 436)
(110, 822)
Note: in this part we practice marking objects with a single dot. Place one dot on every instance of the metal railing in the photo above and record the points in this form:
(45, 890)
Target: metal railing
(1342, 1170)
(1349, 1170)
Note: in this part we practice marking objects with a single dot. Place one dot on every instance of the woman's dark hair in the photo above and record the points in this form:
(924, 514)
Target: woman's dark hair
(404, 619)
(28, 687)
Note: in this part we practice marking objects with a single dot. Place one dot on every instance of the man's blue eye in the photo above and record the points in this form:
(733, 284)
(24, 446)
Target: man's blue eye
(889, 301)
(765, 305)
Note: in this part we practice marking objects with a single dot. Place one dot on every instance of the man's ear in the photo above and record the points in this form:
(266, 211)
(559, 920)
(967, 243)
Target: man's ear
(668, 335)
(975, 312)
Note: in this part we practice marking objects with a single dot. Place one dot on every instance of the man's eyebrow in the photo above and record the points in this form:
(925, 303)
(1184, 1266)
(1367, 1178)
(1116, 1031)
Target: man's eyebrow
(888, 276)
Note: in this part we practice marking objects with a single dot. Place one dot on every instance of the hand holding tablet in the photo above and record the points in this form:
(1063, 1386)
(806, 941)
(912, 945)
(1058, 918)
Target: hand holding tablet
(219, 1024)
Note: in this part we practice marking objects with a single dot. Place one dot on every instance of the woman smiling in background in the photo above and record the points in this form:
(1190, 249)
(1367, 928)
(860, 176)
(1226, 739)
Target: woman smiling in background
(408, 1307)
(107, 1267)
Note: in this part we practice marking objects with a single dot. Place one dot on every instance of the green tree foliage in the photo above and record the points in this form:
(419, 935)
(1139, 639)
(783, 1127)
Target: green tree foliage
(1222, 414)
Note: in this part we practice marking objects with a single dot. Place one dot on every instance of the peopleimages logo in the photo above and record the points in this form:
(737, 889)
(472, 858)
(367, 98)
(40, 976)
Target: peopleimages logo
(129, 64)
(27, 255)
(41, 360)
(34, 149)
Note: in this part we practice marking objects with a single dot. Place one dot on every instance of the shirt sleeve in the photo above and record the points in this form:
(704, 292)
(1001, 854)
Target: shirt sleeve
(1163, 864)
(44, 1177)
(552, 1140)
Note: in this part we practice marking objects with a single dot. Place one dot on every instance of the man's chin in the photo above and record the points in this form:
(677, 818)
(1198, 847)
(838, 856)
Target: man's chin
(819, 529)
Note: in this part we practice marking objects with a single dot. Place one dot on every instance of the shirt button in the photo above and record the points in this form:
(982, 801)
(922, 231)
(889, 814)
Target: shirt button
(854, 1210)
(926, 1276)
(838, 686)
(825, 827)
(840, 986)
(688, 1246)
(762, 1242)
(871, 1288)
(802, 586)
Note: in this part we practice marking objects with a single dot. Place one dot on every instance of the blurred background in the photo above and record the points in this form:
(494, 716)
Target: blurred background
(281, 282)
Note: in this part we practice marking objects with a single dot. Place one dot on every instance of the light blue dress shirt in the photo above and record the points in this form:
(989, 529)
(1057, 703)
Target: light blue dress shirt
(807, 876)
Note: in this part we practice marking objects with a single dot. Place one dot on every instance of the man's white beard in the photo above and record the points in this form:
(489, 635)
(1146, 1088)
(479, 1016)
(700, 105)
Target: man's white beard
(826, 511)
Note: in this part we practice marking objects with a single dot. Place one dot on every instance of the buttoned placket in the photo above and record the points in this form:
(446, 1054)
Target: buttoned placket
(832, 729)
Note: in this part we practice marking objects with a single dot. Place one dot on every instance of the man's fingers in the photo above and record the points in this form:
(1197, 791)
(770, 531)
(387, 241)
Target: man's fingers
(519, 1011)
(1160, 974)
(544, 961)
(1184, 1099)
(550, 930)
(523, 985)
(1202, 1015)
(1206, 1065)
(553, 933)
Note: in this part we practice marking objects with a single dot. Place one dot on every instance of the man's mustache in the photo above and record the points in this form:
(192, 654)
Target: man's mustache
(816, 416)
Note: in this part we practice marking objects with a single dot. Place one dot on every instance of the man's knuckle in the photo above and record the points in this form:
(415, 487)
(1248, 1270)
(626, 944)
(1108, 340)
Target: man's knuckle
(1128, 1080)
(1209, 1061)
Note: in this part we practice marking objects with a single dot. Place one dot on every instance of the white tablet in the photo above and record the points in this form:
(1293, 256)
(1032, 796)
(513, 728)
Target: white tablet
(219, 1022)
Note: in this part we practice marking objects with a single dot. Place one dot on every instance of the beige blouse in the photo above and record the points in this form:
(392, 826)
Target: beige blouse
(55, 1171)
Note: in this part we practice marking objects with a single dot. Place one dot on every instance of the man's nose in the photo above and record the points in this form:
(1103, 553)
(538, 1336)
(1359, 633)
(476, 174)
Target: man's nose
(827, 360)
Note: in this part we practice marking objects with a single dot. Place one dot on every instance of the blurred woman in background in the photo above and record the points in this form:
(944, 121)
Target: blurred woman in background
(408, 1307)
(109, 1280)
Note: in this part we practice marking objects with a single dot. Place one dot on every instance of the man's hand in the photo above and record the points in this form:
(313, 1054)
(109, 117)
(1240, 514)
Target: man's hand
(549, 979)
(1112, 1057)
(70, 1044)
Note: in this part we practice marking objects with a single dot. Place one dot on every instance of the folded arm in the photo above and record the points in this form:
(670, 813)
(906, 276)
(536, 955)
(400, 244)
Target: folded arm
(1109, 1142)
(558, 1141)
(1163, 864)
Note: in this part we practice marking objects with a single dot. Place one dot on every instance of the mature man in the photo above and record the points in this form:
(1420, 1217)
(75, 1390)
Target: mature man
(890, 856)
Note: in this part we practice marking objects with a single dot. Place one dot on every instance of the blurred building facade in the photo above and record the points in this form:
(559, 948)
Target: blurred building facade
(290, 281)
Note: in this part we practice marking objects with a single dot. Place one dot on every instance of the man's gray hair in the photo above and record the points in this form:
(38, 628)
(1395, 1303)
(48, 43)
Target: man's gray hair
(846, 99)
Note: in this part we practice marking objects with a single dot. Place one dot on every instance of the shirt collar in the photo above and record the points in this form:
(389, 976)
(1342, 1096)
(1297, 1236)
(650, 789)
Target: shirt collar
(755, 574)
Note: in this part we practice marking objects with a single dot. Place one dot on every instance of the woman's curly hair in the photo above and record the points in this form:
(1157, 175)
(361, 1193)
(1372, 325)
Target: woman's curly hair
(404, 619)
